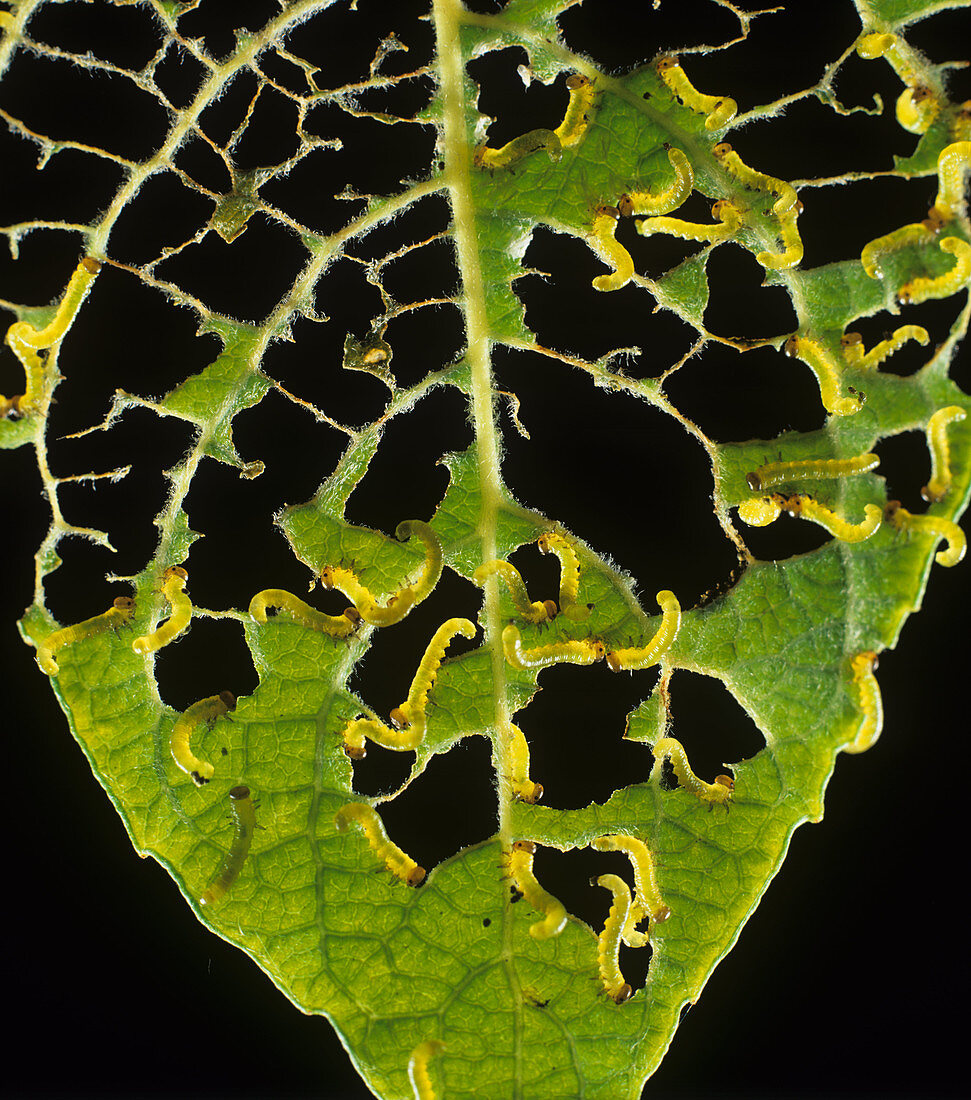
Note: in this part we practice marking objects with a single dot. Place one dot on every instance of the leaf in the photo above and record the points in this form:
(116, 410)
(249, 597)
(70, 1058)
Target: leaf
(318, 908)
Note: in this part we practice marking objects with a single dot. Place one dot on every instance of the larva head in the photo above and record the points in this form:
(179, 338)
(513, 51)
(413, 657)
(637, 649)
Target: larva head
(661, 914)
(355, 752)
(524, 846)
(791, 346)
(327, 576)
(551, 609)
(721, 150)
(174, 571)
(238, 794)
(613, 662)
(793, 504)
(399, 719)
(625, 204)
(725, 781)
(354, 615)
(623, 994)
(576, 80)
(91, 265)
(228, 700)
(125, 605)
(753, 481)
(416, 876)
(665, 63)
(607, 212)
(891, 512)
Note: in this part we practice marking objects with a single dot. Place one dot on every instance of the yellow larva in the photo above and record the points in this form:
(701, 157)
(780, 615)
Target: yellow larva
(173, 582)
(579, 111)
(717, 793)
(792, 252)
(584, 651)
(648, 901)
(344, 580)
(718, 110)
(610, 250)
(360, 728)
(206, 710)
(434, 559)
(117, 615)
(554, 543)
(940, 482)
(778, 473)
(661, 202)
(520, 861)
(25, 341)
(874, 45)
(244, 819)
(937, 526)
(516, 150)
(522, 786)
(786, 199)
(538, 612)
(906, 236)
(608, 941)
(822, 364)
(807, 508)
(921, 288)
(337, 625)
(399, 863)
(761, 511)
(871, 702)
(645, 656)
(421, 1083)
(856, 356)
(727, 227)
(917, 108)
(411, 713)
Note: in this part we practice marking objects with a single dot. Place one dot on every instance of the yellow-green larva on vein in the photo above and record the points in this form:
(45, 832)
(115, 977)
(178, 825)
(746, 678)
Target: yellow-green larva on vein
(530, 612)
(421, 1082)
(921, 288)
(608, 941)
(792, 252)
(917, 108)
(411, 713)
(206, 710)
(723, 230)
(399, 863)
(579, 111)
(807, 508)
(718, 110)
(173, 584)
(645, 656)
(856, 355)
(344, 580)
(661, 202)
(610, 250)
(339, 626)
(520, 860)
(554, 543)
(875, 251)
(583, 651)
(824, 366)
(522, 786)
(936, 526)
(434, 559)
(778, 473)
(516, 150)
(786, 199)
(936, 489)
(117, 615)
(717, 793)
(871, 702)
(953, 166)
(244, 821)
(648, 901)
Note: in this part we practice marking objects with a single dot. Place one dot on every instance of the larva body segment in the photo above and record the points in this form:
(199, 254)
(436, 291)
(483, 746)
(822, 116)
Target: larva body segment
(398, 740)
(434, 559)
(530, 612)
(808, 508)
(953, 166)
(870, 699)
(520, 862)
(366, 818)
(875, 251)
(338, 626)
(206, 710)
(644, 657)
(943, 286)
(856, 355)
(610, 250)
(173, 584)
(411, 713)
(936, 526)
(397, 607)
(116, 616)
(648, 901)
(583, 651)
(718, 793)
(662, 202)
(421, 1082)
(822, 364)
(778, 473)
(518, 149)
(936, 489)
(725, 229)
(579, 111)
(554, 543)
(718, 110)
(760, 511)
(244, 821)
(522, 786)
(608, 941)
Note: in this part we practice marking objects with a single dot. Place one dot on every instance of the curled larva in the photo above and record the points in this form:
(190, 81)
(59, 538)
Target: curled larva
(244, 821)
(778, 473)
(871, 702)
(761, 511)
(518, 749)
(421, 1083)
(824, 366)
(717, 793)
(808, 508)
(206, 710)
(917, 108)
(857, 356)
(344, 580)
(661, 202)
(953, 166)
(648, 901)
(608, 941)
(786, 199)
(411, 713)
(723, 230)
(875, 44)
(718, 110)
(516, 150)
(520, 861)
(399, 863)
(940, 482)
(434, 559)
(117, 615)
(936, 526)
(645, 656)
(921, 288)
(554, 543)
(875, 251)
(792, 250)
(610, 250)
(579, 111)
(583, 651)
(530, 612)
(173, 583)
(337, 625)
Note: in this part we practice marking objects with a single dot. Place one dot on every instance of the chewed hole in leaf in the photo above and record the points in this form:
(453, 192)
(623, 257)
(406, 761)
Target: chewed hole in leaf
(166, 212)
(382, 771)
(905, 465)
(126, 37)
(739, 303)
(785, 538)
(210, 657)
(710, 744)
